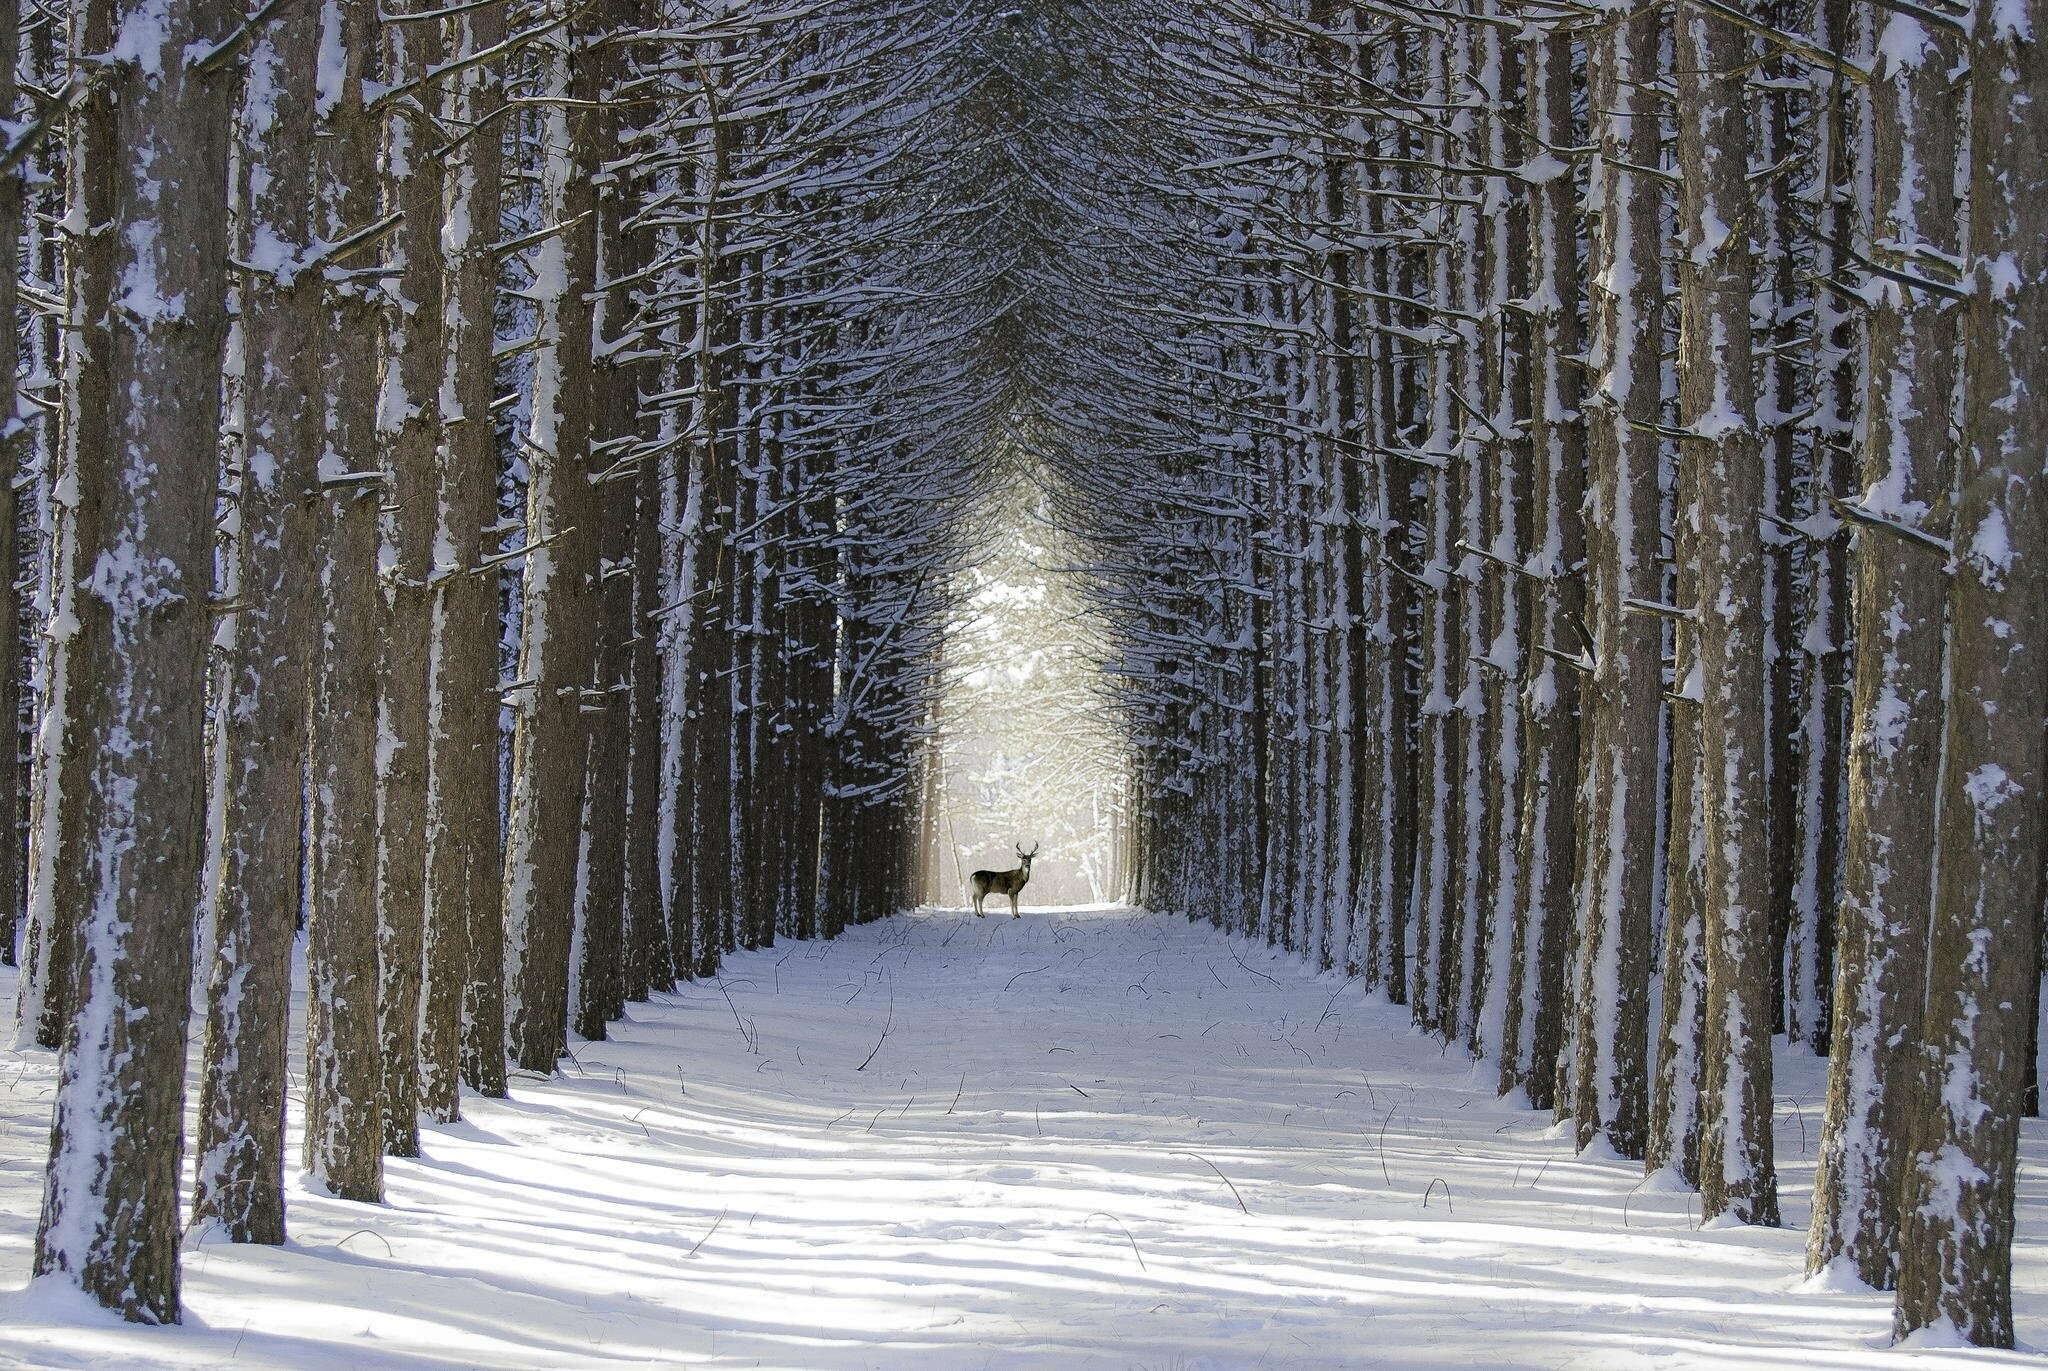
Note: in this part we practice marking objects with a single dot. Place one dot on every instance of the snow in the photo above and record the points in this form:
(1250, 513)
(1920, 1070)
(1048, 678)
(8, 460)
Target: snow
(1903, 44)
(1988, 787)
(2009, 20)
(1991, 548)
(1088, 1138)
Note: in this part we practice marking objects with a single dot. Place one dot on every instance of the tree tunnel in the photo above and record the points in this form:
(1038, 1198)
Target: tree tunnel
(1529, 506)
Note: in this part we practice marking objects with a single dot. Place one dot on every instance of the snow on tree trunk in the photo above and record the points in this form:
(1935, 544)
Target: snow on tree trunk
(1622, 709)
(462, 1015)
(545, 833)
(1505, 453)
(1984, 944)
(1896, 706)
(1717, 415)
(1547, 836)
(14, 445)
(1829, 440)
(1675, 1089)
(412, 360)
(1435, 928)
(269, 642)
(147, 285)
(344, 1121)
(600, 918)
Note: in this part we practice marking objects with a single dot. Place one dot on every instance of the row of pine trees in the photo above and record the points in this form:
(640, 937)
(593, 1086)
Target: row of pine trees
(479, 539)
(1607, 613)
(1560, 484)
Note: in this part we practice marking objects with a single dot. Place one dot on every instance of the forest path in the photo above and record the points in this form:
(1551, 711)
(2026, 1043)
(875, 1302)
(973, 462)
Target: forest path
(1078, 1139)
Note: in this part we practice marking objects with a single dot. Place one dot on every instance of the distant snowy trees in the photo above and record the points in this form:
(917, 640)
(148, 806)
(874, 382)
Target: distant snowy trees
(1558, 487)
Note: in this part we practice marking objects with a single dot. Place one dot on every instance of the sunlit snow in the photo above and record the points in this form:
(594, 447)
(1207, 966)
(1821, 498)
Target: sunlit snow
(1090, 1138)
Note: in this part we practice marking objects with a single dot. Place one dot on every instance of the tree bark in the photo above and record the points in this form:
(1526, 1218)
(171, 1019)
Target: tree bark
(240, 1175)
(14, 434)
(1547, 838)
(550, 746)
(1622, 709)
(1984, 942)
(147, 287)
(463, 998)
(344, 1127)
(1896, 708)
(410, 435)
(1717, 414)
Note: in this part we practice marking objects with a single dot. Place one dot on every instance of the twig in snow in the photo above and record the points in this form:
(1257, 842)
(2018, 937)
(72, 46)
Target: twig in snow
(366, 1233)
(1385, 1174)
(957, 1092)
(1100, 1213)
(1249, 967)
(1028, 971)
(745, 1032)
(1798, 1114)
(1434, 1183)
(1628, 1197)
(1330, 1004)
(707, 1236)
(1219, 1176)
(886, 1022)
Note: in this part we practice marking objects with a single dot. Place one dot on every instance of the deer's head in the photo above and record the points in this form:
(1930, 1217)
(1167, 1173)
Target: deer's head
(1025, 857)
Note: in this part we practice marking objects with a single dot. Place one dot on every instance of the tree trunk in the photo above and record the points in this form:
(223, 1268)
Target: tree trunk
(1896, 709)
(147, 288)
(271, 639)
(344, 1126)
(1623, 718)
(1547, 839)
(1984, 945)
(1675, 1094)
(1717, 413)
(463, 998)
(550, 748)
(409, 438)
(14, 433)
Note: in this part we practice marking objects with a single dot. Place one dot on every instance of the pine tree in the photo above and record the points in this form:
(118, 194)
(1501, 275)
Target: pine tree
(146, 285)
(1984, 948)
(344, 1121)
(240, 1146)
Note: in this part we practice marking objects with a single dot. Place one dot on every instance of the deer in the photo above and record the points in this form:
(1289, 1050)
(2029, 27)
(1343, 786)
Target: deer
(987, 883)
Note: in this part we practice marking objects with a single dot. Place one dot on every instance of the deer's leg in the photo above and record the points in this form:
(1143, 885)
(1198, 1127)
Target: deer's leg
(1013, 906)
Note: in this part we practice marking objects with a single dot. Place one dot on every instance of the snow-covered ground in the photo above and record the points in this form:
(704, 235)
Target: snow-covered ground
(1082, 1139)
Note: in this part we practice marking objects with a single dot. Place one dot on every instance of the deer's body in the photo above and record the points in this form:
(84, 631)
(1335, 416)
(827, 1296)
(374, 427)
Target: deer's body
(987, 883)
